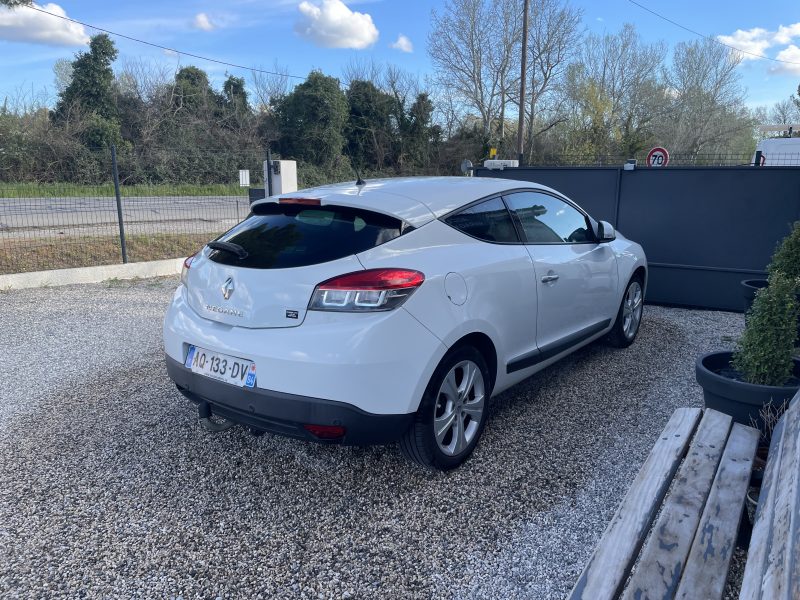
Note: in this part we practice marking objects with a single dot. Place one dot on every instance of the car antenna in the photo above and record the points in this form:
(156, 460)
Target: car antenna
(359, 181)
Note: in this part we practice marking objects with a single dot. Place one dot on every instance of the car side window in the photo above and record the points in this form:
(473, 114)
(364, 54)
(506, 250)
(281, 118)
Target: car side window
(547, 220)
(488, 221)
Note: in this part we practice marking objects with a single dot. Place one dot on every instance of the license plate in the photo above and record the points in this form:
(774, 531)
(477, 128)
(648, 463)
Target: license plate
(236, 371)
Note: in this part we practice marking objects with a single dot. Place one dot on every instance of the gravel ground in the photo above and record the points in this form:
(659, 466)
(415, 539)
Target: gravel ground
(109, 487)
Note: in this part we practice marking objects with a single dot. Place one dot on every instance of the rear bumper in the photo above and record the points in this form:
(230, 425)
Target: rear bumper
(379, 362)
(285, 414)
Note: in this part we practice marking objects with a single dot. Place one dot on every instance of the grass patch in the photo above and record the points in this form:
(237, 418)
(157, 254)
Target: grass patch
(20, 256)
(76, 190)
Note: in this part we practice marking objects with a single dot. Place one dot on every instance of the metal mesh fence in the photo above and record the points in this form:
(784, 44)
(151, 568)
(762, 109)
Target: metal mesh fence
(173, 202)
(60, 225)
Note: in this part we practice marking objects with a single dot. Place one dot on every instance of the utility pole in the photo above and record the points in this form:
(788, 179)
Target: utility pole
(523, 76)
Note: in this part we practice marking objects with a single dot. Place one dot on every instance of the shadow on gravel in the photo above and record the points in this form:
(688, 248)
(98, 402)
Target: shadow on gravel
(114, 488)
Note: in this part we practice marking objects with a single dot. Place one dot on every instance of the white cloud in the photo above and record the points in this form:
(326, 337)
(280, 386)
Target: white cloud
(403, 44)
(790, 54)
(24, 24)
(201, 21)
(786, 33)
(752, 41)
(757, 40)
(331, 24)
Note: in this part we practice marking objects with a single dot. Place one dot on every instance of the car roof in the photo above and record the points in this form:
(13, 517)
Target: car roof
(416, 200)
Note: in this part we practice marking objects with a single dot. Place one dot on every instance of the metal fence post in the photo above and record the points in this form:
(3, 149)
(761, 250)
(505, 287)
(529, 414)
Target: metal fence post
(122, 243)
(269, 172)
(617, 194)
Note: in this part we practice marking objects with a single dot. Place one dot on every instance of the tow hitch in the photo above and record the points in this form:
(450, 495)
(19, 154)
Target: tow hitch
(204, 414)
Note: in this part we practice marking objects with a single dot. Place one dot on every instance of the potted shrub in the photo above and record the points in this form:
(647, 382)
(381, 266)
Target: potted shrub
(762, 369)
(786, 259)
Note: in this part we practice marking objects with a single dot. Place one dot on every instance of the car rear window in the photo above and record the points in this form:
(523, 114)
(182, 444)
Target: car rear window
(280, 236)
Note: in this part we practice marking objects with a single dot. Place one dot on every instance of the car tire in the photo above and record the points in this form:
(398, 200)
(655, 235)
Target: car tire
(629, 315)
(456, 404)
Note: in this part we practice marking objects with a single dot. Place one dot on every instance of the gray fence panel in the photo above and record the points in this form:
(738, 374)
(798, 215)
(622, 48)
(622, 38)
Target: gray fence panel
(703, 229)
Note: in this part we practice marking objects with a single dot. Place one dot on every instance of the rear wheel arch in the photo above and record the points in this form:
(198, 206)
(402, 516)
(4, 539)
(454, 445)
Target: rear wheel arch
(483, 344)
(457, 409)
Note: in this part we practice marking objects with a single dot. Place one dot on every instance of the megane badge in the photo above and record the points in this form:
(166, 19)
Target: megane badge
(227, 288)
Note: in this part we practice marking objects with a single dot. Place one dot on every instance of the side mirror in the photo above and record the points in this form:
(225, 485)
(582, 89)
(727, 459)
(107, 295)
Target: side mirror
(605, 232)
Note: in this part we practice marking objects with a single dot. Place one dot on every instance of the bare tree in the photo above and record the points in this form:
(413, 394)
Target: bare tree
(270, 86)
(27, 100)
(615, 89)
(473, 44)
(62, 72)
(553, 36)
(784, 112)
(506, 59)
(361, 69)
(449, 109)
(707, 98)
(144, 78)
(149, 86)
(399, 83)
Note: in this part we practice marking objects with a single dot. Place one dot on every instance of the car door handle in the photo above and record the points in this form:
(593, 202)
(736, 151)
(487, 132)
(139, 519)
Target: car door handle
(549, 278)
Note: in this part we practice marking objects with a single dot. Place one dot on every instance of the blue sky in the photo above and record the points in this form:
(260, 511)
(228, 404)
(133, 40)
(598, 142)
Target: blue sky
(305, 35)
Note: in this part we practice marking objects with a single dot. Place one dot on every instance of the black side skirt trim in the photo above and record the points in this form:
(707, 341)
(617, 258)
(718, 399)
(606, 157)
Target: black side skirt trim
(550, 350)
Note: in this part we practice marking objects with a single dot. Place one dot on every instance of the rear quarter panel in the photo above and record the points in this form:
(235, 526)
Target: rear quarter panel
(500, 287)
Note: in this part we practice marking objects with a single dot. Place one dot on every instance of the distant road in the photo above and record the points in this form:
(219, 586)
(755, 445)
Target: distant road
(23, 217)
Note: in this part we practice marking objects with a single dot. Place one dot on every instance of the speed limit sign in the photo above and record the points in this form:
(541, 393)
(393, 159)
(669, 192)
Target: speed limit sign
(658, 157)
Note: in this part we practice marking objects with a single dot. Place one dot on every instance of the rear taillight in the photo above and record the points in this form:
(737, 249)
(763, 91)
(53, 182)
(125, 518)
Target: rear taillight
(364, 291)
(186, 266)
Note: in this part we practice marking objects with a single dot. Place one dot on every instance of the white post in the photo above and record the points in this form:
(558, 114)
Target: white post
(284, 177)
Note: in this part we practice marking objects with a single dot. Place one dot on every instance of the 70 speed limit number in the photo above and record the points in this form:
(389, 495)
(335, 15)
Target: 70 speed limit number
(658, 157)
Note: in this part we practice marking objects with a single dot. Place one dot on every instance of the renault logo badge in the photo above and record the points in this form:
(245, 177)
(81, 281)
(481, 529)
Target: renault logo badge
(227, 288)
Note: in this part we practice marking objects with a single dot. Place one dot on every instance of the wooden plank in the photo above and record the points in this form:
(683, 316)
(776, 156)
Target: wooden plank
(759, 540)
(776, 583)
(793, 549)
(710, 557)
(609, 566)
(662, 560)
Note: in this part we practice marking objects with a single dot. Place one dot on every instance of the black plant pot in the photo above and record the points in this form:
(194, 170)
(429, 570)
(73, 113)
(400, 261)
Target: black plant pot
(749, 289)
(740, 400)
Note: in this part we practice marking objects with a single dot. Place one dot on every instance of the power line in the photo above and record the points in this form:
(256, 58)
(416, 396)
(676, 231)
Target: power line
(133, 39)
(713, 39)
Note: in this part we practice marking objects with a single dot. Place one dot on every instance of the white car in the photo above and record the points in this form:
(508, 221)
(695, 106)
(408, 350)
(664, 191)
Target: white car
(393, 310)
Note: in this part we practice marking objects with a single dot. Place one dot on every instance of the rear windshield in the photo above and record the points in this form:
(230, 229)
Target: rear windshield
(280, 236)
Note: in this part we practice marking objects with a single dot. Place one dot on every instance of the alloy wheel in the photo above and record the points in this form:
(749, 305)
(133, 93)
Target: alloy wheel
(632, 310)
(459, 408)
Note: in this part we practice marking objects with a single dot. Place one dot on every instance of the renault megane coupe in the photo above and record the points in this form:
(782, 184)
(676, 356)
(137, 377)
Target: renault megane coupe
(393, 310)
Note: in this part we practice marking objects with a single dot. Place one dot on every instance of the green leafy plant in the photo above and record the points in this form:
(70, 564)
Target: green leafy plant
(787, 257)
(764, 352)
